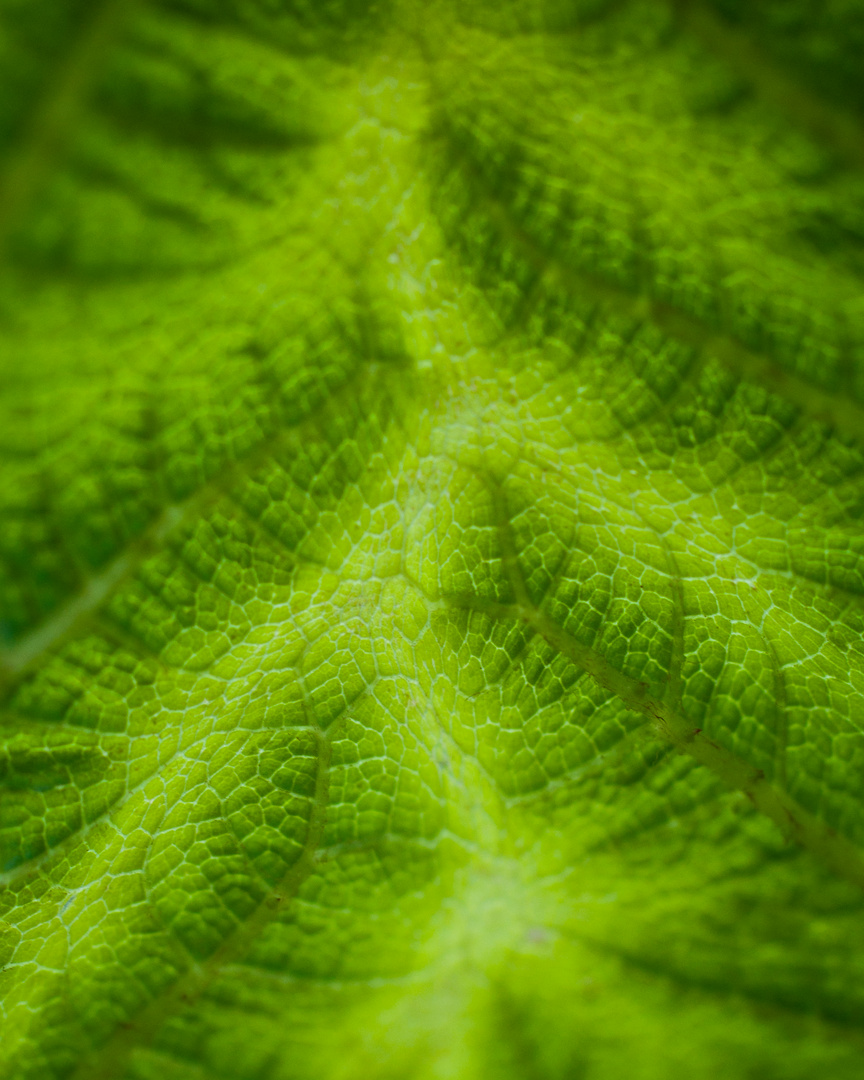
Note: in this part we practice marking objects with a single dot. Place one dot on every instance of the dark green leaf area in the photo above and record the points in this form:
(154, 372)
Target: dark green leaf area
(823, 41)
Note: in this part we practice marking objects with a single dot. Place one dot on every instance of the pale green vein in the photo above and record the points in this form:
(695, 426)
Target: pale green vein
(111, 1060)
(95, 592)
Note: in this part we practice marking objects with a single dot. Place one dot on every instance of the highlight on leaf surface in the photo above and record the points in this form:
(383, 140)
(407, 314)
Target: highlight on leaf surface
(431, 550)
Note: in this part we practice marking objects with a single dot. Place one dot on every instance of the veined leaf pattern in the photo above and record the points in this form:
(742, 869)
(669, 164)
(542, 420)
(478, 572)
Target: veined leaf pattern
(431, 563)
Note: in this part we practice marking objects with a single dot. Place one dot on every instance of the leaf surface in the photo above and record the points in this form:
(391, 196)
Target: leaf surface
(431, 552)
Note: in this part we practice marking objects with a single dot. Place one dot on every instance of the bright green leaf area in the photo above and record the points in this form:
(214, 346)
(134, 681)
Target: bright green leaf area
(431, 548)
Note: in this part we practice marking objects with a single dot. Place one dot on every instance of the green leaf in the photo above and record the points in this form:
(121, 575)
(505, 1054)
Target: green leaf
(431, 550)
